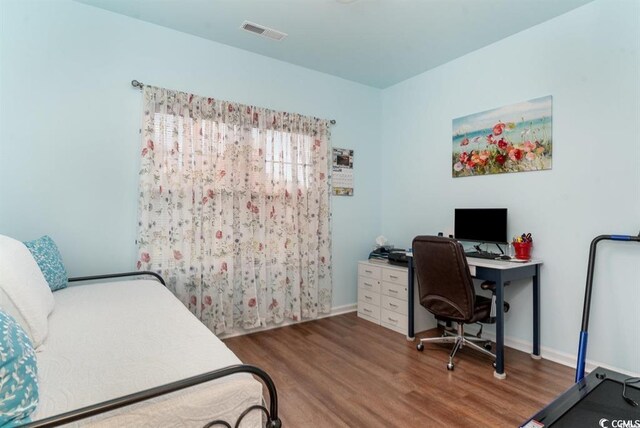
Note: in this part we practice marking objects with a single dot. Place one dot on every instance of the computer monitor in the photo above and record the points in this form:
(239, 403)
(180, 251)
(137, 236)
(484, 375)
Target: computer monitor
(481, 225)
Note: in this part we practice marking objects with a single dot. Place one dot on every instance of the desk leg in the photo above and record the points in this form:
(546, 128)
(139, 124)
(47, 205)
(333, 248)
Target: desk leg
(499, 372)
(536, 314)
(410, 321)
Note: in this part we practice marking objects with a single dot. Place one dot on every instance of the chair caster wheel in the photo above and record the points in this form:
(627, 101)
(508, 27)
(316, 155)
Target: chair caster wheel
(420, 346)
(494, 364)
(487, 346)
(450, 367)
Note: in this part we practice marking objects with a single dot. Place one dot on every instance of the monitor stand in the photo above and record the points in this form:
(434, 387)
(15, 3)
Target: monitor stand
(481, 254)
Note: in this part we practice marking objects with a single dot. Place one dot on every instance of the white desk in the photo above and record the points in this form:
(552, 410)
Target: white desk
(502, 273)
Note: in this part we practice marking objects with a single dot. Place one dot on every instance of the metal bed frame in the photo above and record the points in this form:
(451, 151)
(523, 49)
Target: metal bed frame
(271, 414)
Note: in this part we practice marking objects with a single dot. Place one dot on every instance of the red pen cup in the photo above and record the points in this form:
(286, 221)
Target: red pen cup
(523, 250)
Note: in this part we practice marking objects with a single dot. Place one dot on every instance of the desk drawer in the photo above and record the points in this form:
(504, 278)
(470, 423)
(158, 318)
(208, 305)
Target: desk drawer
(394, 290)
(395, 305)
(369, 271)
(369, 311)
(369, 284)
(395, 276)
(393, 321)
(368, 296)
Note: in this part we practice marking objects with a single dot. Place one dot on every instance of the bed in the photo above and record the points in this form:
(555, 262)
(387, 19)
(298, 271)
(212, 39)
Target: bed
(126, 352)
(129, 336)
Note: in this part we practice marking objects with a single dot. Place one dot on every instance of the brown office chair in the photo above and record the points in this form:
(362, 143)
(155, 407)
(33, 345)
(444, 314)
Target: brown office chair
(446, 290)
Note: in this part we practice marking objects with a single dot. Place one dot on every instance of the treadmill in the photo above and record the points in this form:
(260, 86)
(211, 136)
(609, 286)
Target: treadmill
(604, 398)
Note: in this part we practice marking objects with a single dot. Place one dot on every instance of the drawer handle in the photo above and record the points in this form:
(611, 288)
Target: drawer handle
(368, 271)
(368, 285)
(392, 320)
(393, 291)
(367, 297)
(393, 277)
(393, 305)
(366, 310)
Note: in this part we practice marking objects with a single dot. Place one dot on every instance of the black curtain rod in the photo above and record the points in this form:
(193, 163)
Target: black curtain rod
(140, 85)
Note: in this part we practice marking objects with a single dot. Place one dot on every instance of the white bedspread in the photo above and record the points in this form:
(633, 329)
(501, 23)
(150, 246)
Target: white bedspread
(111, 339)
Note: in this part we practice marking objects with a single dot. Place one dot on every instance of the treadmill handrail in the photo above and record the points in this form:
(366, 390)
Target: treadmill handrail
(586, 308)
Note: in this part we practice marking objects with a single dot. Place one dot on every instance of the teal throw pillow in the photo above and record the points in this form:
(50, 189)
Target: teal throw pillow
(18, 374)
(48, 257)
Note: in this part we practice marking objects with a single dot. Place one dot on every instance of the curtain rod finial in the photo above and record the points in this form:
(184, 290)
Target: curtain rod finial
(137, 84)
(332, 121)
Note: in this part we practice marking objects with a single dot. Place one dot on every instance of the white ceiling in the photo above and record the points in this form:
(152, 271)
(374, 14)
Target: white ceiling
(374, 42)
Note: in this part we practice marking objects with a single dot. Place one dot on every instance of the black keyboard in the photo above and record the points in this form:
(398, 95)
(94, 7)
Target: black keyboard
(479, 255)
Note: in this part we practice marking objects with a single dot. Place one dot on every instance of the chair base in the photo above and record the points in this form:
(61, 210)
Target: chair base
(459, 340)
(486, 343)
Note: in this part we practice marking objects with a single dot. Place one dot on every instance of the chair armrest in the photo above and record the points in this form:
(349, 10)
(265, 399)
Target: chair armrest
(491, 286)
(488, 285)
(118, 275)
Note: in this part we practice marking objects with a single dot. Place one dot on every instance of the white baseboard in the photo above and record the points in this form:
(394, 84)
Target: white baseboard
(337, 310)
(554, 355)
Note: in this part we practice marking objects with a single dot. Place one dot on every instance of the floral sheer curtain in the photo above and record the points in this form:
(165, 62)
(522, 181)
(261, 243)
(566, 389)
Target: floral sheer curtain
(234, 209)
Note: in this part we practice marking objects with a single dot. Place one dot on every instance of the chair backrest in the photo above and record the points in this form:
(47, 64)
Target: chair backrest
(444, 282)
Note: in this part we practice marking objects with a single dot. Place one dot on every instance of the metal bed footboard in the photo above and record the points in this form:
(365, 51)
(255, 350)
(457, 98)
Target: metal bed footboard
(273, 421)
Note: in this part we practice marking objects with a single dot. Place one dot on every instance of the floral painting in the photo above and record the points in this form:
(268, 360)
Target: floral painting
(514, 138)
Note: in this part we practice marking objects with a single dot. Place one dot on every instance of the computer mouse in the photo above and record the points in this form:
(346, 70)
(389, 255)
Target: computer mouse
(505, 258)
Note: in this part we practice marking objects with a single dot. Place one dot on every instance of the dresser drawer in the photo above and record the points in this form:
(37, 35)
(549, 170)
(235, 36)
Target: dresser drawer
(395, 276)
(369, 310)
(369, 284)
(369, 271)
(368, 318)
(393, 320)
(368, 296)
(394, 290)
(395, 305)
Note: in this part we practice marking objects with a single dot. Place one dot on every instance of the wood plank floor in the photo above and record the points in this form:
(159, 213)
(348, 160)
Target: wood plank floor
(343, 371)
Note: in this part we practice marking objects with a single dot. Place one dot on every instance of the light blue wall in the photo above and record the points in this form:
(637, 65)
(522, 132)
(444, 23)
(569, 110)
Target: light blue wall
(69, 127)
(588, 61)
(69, 147)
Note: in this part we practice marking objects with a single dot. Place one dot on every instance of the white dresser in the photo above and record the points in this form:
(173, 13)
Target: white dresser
(382, 295)
(382, 298)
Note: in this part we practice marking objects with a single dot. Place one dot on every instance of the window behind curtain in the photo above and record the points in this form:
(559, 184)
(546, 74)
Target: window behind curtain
(234, 209)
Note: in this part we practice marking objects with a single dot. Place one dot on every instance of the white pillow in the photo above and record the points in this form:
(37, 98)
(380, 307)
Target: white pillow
(6, 304)
(25, 288)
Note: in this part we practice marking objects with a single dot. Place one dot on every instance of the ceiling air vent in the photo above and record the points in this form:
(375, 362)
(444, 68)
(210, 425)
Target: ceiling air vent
(263, 31)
